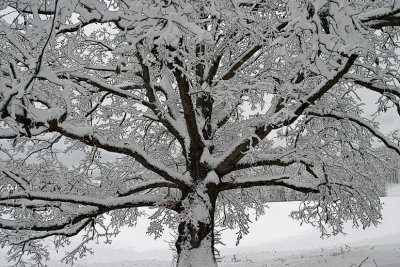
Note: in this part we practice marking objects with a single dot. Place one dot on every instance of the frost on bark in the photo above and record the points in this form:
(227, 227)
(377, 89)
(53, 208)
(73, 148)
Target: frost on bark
(200, 110)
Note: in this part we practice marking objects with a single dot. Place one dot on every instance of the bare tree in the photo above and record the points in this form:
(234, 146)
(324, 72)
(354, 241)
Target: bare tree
(203, 104)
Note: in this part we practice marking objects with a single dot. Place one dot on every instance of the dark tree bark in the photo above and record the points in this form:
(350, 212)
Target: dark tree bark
(195, 242)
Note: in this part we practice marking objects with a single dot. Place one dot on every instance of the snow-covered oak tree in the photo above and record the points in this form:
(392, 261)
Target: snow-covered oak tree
(194, 108)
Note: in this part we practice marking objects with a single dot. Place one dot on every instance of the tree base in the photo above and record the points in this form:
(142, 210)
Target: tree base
(202, 256)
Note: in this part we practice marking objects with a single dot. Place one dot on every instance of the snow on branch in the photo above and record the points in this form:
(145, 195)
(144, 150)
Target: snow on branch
(88, 136)
(50, 225)
(10, 133)
(69, 231)
(359, 121)
(103, 86)
(140, 200)
(375, 85)
(16, 178)
(145, 186)
(275, 180)
(113, 105)
(286, 158)
(282, 116)
(338, 203)
(382, 17)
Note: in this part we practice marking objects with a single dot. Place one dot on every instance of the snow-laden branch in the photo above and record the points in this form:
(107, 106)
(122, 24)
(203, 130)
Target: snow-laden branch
(168, 119)
(10, 133)
(105, 202)
(104, 17)
(50, 119)
(360, 122)
(284, 180)
(15, 42)
(89, 136)
(245, 56)
(68, 231)
(103, 86)
(16, 178)
(53, 225)
(152, 103)
(196, 144)
(90, 207)
(279, 116)
(274, 159)
(382, 17)
(145, 186)
(240, 61)
(375, 85)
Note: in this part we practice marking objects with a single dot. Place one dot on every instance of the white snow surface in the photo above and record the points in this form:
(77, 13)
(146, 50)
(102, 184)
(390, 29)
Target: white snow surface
(274, 240)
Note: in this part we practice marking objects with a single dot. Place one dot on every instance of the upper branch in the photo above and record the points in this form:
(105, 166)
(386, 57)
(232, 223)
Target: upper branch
(196, 141)
(240, 61)
(382, 17)
(166, 119)
(103, 86)
(279, 116)
(245, 56)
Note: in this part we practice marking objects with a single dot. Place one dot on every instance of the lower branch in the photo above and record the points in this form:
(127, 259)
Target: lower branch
(360, 122)
(281, 180)
(68, 231)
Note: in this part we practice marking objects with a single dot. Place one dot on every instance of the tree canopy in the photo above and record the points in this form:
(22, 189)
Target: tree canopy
(195, 108)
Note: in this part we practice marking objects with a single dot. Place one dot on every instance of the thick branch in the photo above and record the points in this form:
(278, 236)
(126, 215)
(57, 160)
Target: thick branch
(14, 133)
(280, 180)
(96, 207)
(50, 225)
(89, 137)
(68, 231)
(147, 185)
(83, 200)
(240, 62)
(376, 86)
(281, 117)
(282, 159)
(383, 17)
(189, 113)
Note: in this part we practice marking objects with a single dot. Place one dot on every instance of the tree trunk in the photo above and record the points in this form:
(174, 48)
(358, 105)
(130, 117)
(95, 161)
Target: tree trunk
(195, 243)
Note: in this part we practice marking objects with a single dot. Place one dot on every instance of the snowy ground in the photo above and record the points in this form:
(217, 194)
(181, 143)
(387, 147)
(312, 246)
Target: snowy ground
(302, 247)
(274, 240)
(380, 255)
